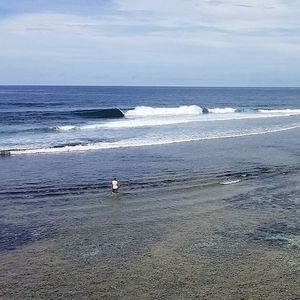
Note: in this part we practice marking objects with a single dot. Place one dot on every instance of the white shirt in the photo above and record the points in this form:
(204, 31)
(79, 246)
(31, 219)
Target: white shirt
(114, 184)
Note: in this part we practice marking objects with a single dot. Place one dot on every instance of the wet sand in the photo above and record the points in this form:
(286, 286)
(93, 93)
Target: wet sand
(238, 241)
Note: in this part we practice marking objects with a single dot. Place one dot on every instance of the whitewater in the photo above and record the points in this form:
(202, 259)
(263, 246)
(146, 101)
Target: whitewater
(147, 126)
(156, 116)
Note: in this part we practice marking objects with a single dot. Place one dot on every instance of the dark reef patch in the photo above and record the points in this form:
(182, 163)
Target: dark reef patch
(266, 198)
(13, 236)
(278, 234)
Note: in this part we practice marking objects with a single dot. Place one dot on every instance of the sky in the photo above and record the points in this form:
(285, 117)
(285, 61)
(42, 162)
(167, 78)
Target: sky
(150, 42)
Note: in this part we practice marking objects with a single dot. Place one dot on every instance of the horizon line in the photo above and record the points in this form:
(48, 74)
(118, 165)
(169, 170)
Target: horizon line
(158, 86)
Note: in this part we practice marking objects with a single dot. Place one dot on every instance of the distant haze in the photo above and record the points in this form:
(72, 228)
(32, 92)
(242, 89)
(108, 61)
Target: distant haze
(150, 42)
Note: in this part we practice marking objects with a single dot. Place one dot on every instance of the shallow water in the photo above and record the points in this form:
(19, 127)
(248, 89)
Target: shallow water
(212, 242)
(173, 233)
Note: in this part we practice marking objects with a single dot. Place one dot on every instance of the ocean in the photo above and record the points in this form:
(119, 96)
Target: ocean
(96, 133)
(66, 119)
(209, 177)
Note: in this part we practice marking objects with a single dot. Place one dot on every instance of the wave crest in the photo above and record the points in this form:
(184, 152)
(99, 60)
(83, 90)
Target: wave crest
(147, 111)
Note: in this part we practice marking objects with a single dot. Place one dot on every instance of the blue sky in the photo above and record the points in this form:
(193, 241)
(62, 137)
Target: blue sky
(150, 42)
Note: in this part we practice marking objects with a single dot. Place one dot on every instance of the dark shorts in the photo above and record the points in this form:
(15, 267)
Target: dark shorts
(114, 190)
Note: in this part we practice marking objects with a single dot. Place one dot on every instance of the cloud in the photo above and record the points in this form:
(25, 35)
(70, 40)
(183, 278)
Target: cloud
(143, 34)
(227, 15)
(215, 23)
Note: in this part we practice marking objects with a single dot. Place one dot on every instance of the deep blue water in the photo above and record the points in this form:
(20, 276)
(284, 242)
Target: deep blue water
(61, 97)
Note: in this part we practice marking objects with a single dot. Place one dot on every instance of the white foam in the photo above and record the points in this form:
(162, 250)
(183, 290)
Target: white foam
(138, 142)
(145, 116)
(230, 181)
(225, 110)
(65, 128)
(146, 111)
(160, 120)
(129, 123)
(288, 112)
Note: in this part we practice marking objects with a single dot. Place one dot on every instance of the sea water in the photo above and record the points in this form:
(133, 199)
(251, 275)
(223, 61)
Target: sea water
(209, 190)
(71, 135)
(69, 119)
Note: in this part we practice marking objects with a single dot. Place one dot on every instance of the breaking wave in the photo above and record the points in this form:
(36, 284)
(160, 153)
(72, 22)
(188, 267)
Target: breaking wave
(109, 113)
(146, 111)
(145, 116)
(144, 126)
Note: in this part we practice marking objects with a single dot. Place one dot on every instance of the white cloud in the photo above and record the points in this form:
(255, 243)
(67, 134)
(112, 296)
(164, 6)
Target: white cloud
(235, 16)
(142, 34)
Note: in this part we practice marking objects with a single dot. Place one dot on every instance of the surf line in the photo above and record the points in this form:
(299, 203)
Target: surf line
(103, 146)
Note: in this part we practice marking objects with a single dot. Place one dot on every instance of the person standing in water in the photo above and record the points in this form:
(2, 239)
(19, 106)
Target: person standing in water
(114, 186)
